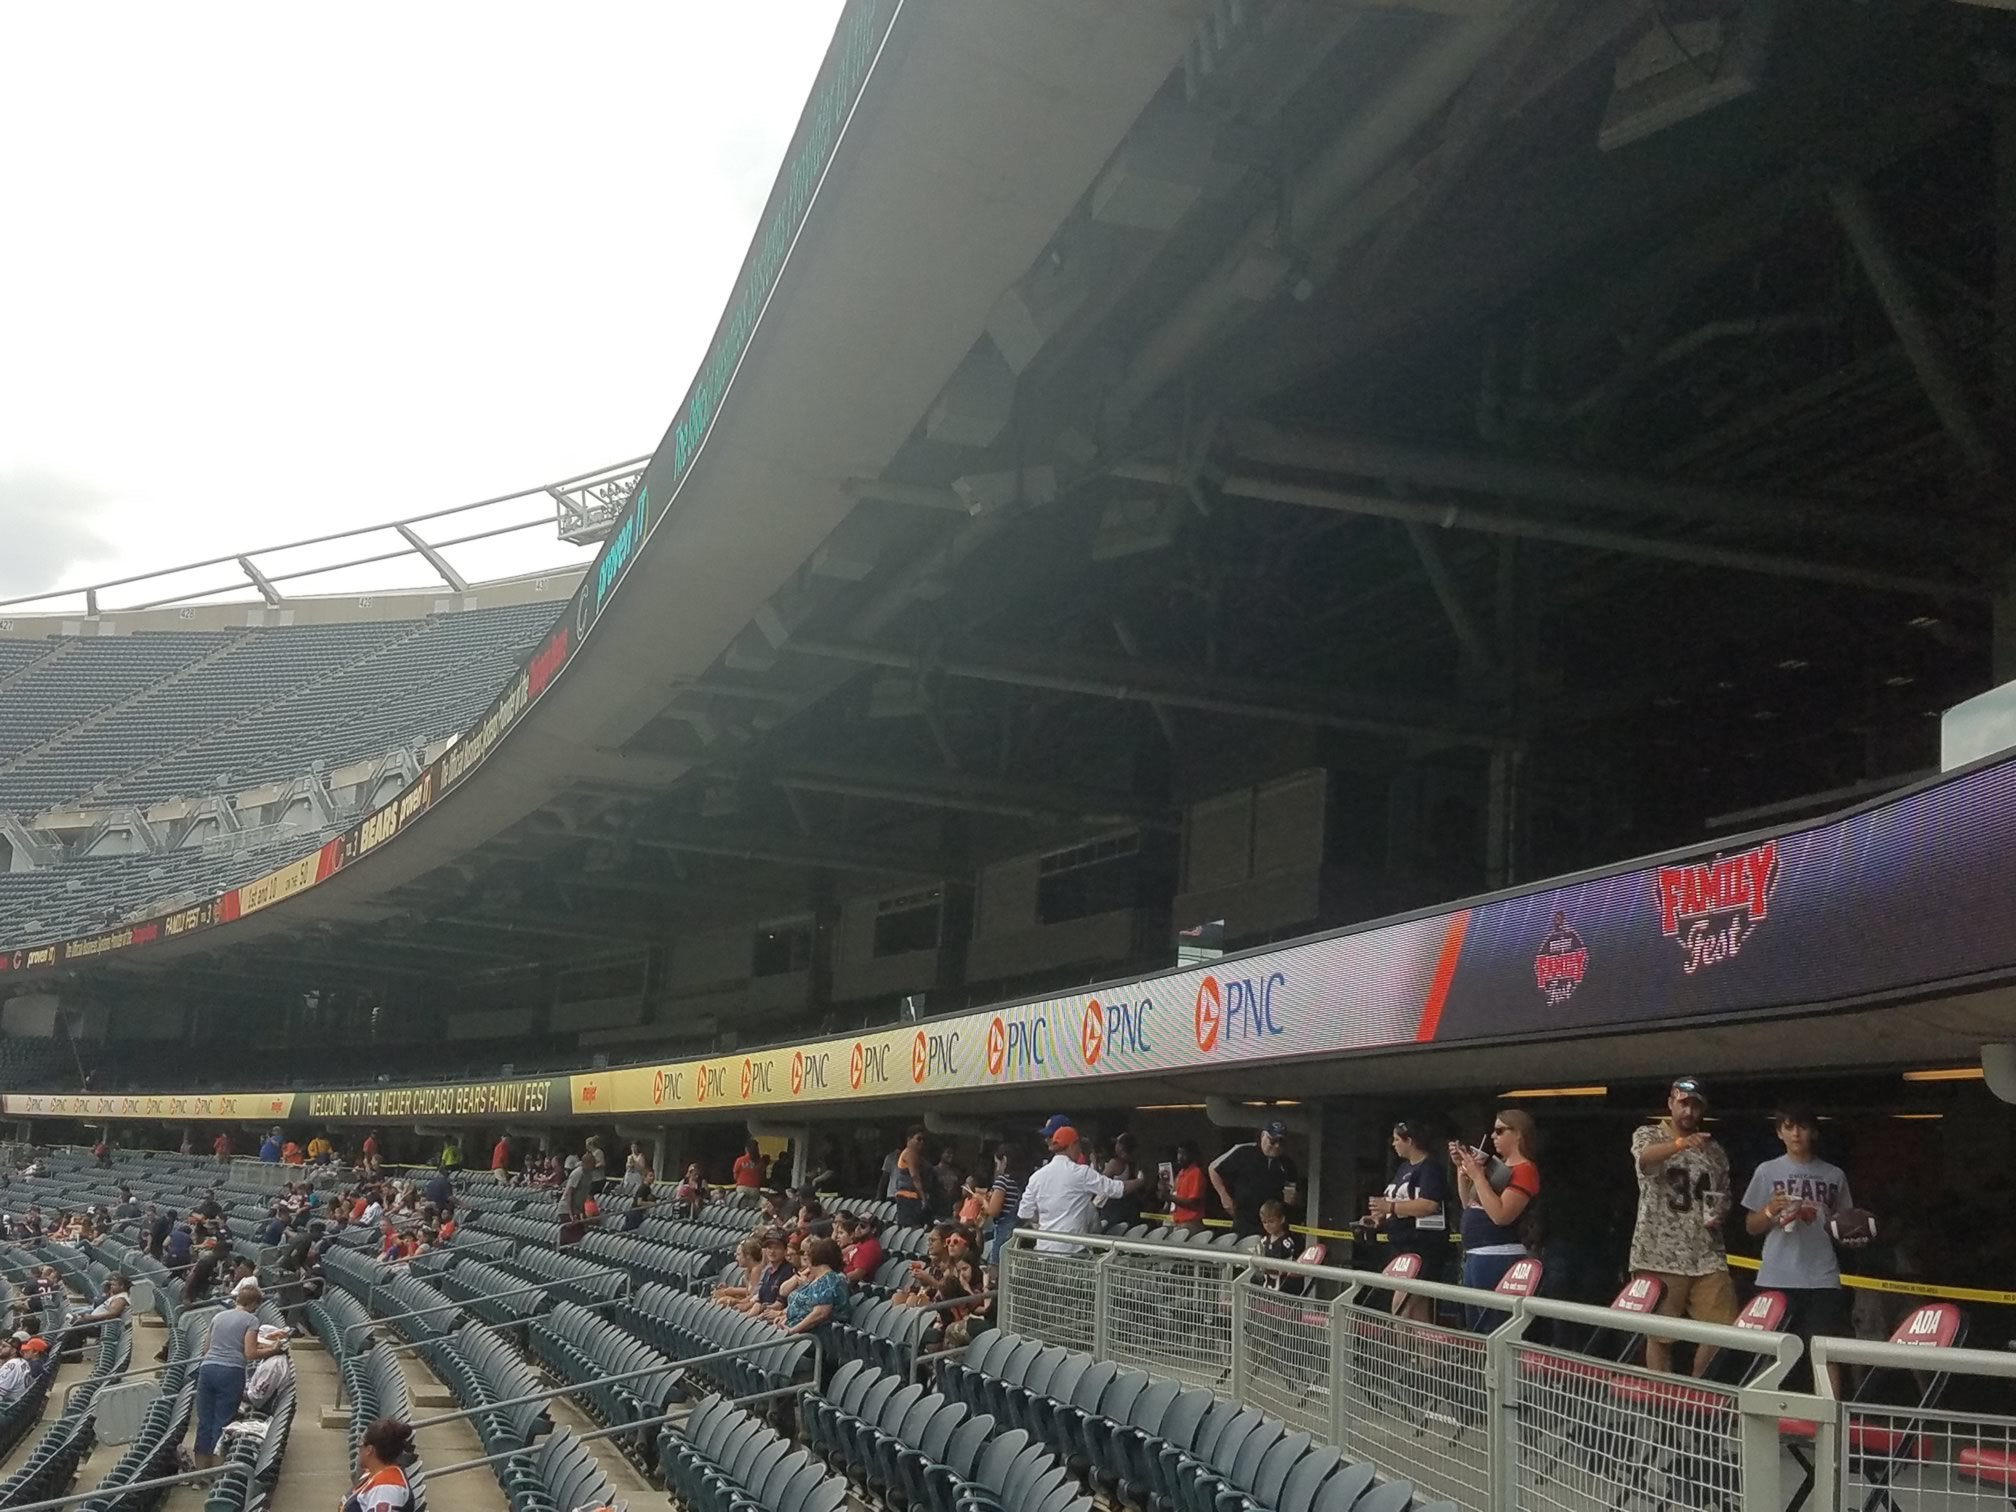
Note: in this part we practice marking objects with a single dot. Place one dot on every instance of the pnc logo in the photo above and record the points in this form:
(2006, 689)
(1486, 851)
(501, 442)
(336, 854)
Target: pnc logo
(1210, 1013)
(1092, 1033)
(1239, 1008)
(748, 1077)
(700, 1084)
(797, 1072)
(658, 1087)
(856, 1064)
(919, 1057)
(997, 1046)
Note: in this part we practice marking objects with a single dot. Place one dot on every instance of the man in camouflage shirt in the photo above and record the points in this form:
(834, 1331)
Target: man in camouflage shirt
(1683, 1196)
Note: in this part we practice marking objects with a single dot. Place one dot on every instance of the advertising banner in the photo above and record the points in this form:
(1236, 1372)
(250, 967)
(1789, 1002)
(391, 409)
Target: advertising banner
(526, 1097)
(278, 1106)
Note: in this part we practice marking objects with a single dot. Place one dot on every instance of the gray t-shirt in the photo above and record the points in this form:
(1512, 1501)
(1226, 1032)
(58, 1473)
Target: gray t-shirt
(227, 1337)
(1799, 1254)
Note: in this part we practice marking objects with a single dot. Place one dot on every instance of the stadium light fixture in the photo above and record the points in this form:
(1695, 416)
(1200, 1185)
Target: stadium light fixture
(1946, 1074)
(1170, 1108)
(1532, 1092)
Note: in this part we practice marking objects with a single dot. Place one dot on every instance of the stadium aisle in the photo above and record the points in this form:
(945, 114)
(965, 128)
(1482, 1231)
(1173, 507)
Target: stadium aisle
(445, 1444)
(315, 1470)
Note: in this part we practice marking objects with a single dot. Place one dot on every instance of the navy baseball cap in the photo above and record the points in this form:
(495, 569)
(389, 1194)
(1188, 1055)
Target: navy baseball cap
(1689, 1086)
(1274, 1128)
(1055, 1122)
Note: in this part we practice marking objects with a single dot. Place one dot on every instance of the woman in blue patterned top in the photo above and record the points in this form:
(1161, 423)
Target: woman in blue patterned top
(820, 1295)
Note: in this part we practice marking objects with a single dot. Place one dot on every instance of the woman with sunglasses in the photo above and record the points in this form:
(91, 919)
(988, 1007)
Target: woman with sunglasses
(1496, 1195)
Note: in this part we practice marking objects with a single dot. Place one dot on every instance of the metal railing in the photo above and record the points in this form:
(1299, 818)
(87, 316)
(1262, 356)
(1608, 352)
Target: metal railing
(1952, 1456)
(582, 506)
(1505, 1420)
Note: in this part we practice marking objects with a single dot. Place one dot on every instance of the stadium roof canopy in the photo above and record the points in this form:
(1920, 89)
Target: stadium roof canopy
(1588, 420)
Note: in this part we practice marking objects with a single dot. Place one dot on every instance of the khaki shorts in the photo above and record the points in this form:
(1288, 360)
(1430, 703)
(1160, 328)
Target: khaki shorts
(1705, 1299)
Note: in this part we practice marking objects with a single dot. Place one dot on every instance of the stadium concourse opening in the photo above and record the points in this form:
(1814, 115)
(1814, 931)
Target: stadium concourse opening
(1331, 564)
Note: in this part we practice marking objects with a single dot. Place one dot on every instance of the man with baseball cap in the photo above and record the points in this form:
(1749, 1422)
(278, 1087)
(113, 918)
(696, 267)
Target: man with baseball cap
(1683, 1196)
(1247, 1175)
(1061, 1197)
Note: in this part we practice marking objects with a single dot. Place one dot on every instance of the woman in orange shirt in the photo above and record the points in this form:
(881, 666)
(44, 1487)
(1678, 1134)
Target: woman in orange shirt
(1185, 1194)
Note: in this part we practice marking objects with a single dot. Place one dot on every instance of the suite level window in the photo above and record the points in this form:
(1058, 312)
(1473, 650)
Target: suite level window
(909, 923)
(1103, 876)
(781, 949)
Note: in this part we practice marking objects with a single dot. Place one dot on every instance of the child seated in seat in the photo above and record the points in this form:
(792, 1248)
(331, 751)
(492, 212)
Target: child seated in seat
(777, 1269)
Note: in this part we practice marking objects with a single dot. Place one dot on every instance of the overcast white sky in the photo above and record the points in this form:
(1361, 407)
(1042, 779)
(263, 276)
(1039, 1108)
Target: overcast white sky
(272, 270)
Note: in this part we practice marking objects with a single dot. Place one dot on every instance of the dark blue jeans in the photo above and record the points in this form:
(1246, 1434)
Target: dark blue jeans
(1482, 1273)
(219, 1389)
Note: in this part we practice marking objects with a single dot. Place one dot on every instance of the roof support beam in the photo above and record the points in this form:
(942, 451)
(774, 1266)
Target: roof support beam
(259, 580)
(791, 850)
(1551, 483)
(1177, 687)
(1933, 364)
(434, 558)
(1492, 522)
(973, 795)
(1449, 594)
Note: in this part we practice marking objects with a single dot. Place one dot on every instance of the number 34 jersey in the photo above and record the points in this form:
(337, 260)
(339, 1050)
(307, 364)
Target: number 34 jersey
(1675, 1199)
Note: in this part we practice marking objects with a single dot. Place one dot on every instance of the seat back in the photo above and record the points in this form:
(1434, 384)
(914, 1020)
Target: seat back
(1406, 1267)
(1764, 1312)
(1522, 1280)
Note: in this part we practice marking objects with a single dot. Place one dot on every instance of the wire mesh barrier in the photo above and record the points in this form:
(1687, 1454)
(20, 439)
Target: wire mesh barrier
(1513, 1420)
(1049, 1297)
(1416, 1402)
(1913, 1438)
(1285, 1354)
(1595, 1436)
(1171, 1316)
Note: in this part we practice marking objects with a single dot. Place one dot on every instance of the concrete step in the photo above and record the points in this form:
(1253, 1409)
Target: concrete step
(446, 1443)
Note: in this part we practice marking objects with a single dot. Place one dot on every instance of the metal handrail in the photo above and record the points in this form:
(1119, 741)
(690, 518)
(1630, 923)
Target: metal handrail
(458, 1466)
(1916, 1357)
(515, 1291)
(185, 1477)
(670, 1367)
(1781, 1349)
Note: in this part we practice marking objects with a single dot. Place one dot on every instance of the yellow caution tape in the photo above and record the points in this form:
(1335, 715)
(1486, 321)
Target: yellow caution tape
(1741, 1262)
(1908, 1288)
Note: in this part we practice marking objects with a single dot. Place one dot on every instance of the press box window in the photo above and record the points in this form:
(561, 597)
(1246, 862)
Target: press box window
(909, 923)
(1103, 876)
(782, 948)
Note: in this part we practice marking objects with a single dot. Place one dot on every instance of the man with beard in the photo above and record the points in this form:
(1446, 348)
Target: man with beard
(1683, 1196)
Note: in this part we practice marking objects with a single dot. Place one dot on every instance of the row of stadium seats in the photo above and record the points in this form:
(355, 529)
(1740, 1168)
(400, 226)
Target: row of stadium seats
(728, 1460)
(159, 715)
(77, 897)
(429, 682)
(239, 675)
